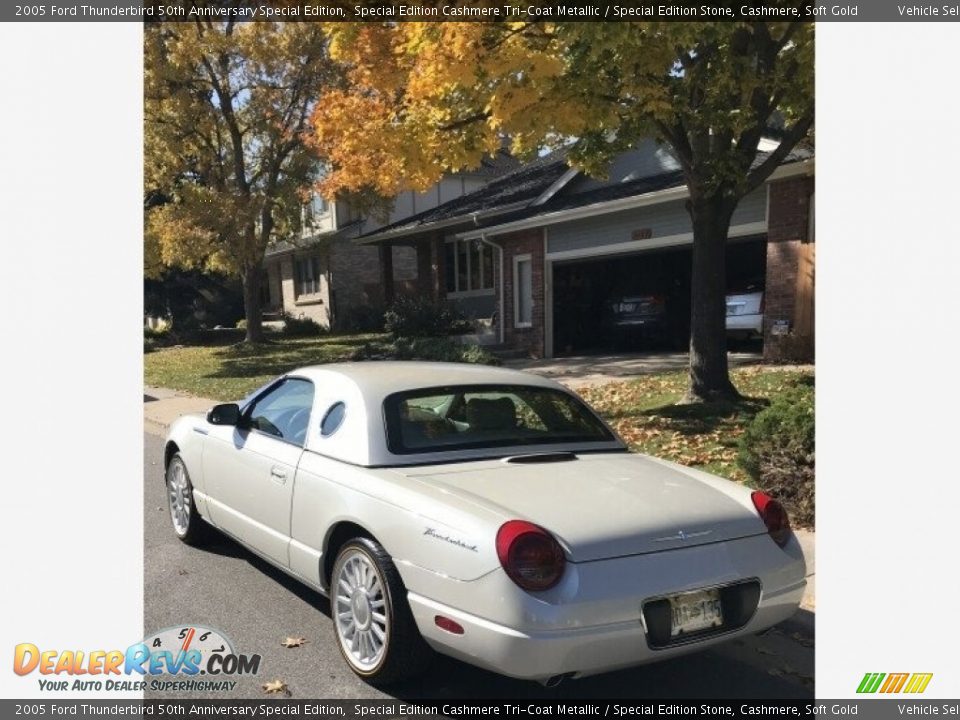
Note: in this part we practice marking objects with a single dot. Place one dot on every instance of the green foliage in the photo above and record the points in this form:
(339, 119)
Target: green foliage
(422, 317)
(154, 338)
(301, 326)
(777, 451)
(361, 319)
(438, 349)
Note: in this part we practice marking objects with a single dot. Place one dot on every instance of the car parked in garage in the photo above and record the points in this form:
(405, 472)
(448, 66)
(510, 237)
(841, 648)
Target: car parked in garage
(640, 319)
(745, 312)
(484, 513)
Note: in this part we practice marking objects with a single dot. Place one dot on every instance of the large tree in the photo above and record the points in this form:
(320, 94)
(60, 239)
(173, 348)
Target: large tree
(426, 98)
(226, 107)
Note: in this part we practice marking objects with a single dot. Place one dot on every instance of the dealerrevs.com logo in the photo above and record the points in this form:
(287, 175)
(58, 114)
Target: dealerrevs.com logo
(182, 652)
(894, 683)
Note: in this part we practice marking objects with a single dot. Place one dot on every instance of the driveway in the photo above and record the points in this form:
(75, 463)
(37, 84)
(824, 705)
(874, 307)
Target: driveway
(226, 587)
(598, 369)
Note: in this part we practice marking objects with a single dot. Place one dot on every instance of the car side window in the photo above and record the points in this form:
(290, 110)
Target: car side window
(284, 412)
(333, 418)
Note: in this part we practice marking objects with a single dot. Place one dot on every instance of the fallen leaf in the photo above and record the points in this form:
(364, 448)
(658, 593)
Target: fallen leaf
(275, 686)
(293, 642)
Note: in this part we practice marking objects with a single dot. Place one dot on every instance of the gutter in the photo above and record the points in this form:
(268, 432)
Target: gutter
(473, 217)
(499, 249)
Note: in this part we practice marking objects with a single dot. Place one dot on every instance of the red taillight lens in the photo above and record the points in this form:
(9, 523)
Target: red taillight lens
(531, 556)
(773, 516)
(451, 626)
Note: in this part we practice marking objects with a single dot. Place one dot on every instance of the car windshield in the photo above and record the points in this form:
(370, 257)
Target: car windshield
(487, 416)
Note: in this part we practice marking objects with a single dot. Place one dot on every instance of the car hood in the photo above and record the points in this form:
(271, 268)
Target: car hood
(606, 505)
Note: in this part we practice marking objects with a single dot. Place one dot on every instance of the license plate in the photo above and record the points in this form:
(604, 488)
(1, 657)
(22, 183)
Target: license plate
(696, 611)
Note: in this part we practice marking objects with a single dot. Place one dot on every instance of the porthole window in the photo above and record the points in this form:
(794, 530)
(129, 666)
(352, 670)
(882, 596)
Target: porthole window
(332, 420)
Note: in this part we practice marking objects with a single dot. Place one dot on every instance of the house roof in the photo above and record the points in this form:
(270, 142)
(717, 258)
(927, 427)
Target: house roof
(285, 246)
(517, 188)
(513, 197)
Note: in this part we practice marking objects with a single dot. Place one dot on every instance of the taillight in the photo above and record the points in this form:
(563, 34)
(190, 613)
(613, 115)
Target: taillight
(773, 516)
(531, 556)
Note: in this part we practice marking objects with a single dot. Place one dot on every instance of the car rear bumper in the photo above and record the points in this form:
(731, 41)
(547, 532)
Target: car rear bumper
(745, 324)
(600, 627)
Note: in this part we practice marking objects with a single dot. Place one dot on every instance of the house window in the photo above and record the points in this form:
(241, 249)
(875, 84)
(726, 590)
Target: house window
(469, 266)
(314, 210)
(307, 275)
(522, 291)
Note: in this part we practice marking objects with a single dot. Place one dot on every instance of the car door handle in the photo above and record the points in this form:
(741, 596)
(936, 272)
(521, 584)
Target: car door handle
(278, 473)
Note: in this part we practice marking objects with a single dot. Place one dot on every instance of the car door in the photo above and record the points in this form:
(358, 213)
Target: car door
(249, 469)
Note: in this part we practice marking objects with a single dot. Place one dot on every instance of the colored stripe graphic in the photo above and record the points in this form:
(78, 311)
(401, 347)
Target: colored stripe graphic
(894, 683)
(870, 682)
(918, 682)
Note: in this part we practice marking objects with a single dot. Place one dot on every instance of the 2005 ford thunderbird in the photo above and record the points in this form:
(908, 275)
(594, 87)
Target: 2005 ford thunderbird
(485, 513)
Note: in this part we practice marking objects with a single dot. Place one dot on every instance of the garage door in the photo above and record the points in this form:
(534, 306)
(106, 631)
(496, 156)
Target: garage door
(639, 301)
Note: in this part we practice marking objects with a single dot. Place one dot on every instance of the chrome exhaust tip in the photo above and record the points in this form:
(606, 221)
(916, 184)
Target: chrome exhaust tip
(553, 681)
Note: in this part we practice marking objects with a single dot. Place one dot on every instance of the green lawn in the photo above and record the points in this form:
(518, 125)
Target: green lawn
(229, 372)
(645, 414)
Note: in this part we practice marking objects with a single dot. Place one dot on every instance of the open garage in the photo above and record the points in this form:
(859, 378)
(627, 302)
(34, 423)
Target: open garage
(639, 301)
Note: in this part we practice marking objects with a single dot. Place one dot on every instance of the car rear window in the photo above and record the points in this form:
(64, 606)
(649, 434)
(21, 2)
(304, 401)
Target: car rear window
(487, 416)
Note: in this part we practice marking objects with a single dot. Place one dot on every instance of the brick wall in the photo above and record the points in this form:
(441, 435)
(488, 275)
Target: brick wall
(787, 230)
(530, 340)
(355, 281)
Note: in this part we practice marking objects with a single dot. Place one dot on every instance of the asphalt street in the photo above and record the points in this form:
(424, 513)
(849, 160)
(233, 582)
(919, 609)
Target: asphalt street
(224, 586)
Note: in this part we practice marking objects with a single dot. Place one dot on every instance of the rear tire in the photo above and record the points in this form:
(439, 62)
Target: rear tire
(376, 632)
(186, 521)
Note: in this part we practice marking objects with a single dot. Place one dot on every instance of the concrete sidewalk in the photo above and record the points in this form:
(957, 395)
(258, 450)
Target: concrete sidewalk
(161, 406)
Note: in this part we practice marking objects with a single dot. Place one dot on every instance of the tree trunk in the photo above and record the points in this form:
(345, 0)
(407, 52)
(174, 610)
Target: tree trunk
(709, 374)
(251, 304)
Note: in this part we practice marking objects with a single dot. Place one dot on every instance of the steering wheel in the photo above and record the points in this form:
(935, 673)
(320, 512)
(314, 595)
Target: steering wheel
(297, 424)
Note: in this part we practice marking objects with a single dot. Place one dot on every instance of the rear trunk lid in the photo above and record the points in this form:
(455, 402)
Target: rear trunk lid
(605, 505)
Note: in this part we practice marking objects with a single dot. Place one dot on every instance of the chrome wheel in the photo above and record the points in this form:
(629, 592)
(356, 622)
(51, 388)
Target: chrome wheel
(179, 497)
(360, 607)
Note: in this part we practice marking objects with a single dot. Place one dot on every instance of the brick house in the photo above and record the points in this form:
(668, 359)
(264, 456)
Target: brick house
(537, 254)
(322, 274)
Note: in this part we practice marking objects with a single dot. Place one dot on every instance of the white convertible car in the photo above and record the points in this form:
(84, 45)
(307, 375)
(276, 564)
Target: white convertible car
(485, 513)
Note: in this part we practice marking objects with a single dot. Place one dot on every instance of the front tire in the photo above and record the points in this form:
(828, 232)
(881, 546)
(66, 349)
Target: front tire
(184, 517)
(375, 629)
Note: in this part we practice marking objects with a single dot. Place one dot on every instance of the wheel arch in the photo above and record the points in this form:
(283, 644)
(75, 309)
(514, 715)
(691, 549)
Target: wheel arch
(338, 535)
(169, 450)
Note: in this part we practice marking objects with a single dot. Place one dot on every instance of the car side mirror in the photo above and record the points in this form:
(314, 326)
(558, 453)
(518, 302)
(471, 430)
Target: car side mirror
(225, 414)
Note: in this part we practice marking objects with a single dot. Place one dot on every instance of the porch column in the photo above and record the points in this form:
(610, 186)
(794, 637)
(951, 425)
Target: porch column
(425, 274)
(386, 272)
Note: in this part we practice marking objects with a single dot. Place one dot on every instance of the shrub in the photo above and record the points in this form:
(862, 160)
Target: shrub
(436, 349)
(422, 316)
(301, 326)
(777, 451)
(362, 319)
(154, 338)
